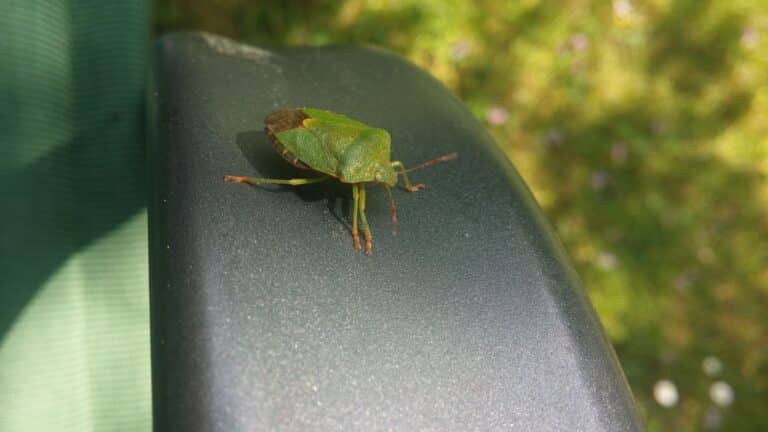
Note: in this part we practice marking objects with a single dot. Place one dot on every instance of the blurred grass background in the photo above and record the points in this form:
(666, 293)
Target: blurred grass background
(642, 129)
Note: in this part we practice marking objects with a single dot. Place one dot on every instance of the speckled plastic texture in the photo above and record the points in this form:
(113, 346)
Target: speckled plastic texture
(265, 318)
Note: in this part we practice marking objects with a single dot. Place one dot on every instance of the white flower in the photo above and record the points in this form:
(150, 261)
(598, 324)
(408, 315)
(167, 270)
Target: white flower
(721, 393)
(607, 261)
(665, 393)
(711, 365)
(623, 8)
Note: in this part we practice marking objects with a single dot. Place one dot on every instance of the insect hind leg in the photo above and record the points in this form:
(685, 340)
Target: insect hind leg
(364, 221)
(355, 210)
(258, 181)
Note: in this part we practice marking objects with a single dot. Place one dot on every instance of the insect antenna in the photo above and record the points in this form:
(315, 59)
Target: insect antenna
(435, 161)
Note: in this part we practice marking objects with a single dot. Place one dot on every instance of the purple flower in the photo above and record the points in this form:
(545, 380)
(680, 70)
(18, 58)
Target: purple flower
(658, 127)
(750, 37)
(554, 137)
(579, 42)
(683, 281)
(461, 50)
(599, 180)
(713, 418)
(497, 115)
(619, 153)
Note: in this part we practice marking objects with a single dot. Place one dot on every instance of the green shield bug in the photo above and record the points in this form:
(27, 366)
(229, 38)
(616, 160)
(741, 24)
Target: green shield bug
(336, 146)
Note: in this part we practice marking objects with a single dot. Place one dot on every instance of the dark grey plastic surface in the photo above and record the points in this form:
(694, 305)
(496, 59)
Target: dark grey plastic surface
(265, 318)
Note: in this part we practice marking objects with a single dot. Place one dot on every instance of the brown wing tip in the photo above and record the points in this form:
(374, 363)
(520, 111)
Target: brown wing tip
(286, 119)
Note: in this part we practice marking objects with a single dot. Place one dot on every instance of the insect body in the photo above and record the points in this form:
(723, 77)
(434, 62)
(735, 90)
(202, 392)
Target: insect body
(337, 146)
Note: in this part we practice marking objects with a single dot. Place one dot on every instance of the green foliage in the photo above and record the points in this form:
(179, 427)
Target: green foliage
(641, 127)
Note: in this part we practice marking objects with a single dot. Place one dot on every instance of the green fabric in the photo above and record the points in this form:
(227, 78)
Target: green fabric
(74, 309)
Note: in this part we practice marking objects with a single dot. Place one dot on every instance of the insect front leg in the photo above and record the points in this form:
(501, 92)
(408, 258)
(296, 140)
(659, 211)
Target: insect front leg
(291, 182)
(393, 207)
(364, 221)
(355, 205)
(410, 187)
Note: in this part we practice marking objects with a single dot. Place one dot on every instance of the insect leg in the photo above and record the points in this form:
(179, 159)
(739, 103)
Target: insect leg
(355, 205)
(411, 188)
(291, 182)
(394, 209)
(364, 221)
(429, 163)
